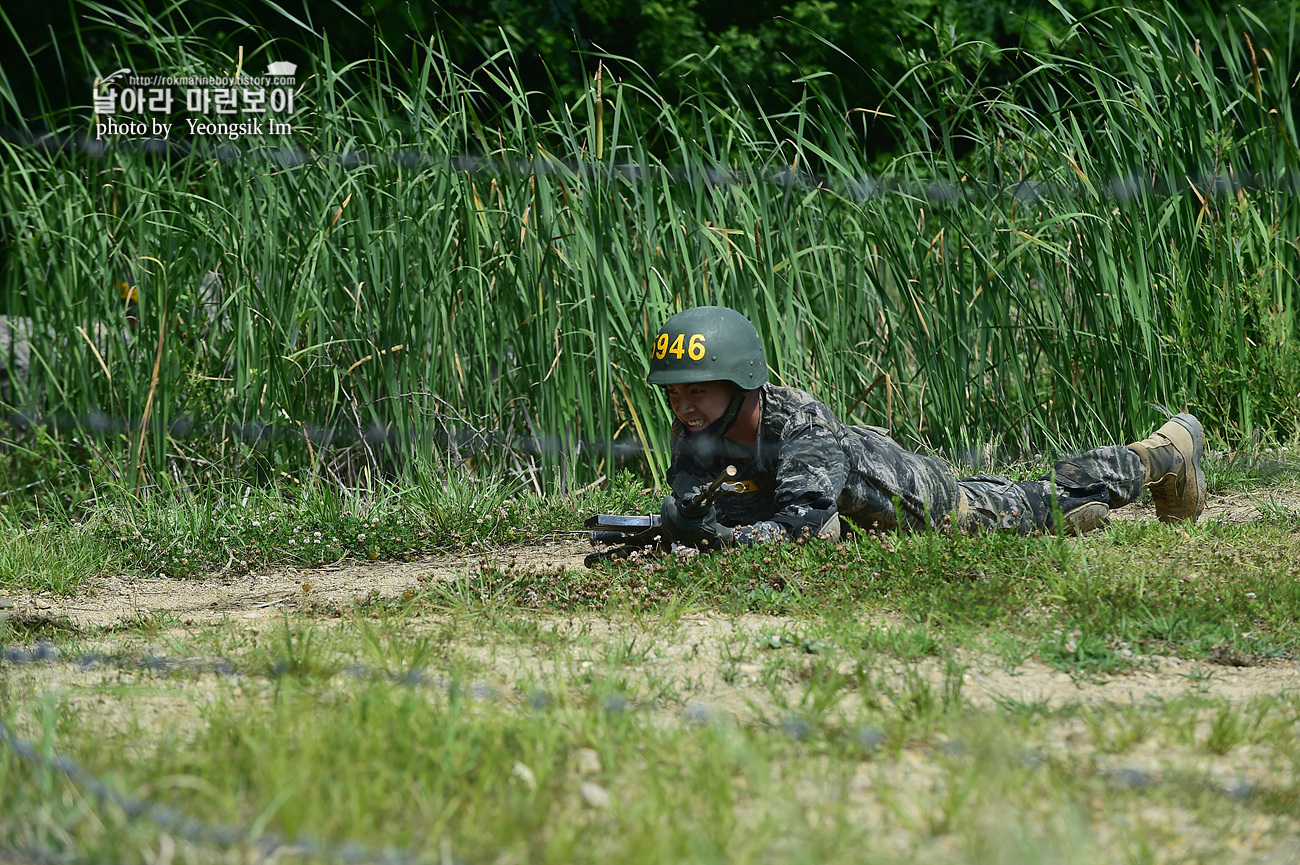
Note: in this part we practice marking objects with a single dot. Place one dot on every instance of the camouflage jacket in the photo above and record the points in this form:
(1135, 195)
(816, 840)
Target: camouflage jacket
(806, 466)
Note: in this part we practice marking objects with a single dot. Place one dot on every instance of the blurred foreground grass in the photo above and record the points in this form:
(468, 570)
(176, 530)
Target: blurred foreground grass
(482, 733)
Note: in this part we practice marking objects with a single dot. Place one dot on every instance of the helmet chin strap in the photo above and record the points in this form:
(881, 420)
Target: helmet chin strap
(719, 427)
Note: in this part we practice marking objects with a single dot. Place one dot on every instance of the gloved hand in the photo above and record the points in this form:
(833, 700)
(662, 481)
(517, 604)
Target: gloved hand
(692, 525)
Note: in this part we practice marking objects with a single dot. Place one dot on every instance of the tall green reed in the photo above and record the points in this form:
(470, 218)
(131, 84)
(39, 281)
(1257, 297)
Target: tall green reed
(378, 300)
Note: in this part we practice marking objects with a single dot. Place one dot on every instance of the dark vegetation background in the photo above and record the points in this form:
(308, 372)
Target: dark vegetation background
(763, 48)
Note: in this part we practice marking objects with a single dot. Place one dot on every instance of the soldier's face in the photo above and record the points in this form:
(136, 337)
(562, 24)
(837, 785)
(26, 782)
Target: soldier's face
(700, 403)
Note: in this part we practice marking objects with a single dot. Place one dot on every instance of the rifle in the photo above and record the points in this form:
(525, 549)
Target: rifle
(637, 532)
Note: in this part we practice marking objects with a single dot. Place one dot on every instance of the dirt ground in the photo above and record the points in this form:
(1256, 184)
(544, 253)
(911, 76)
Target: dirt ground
(259, 600)
(713, 667)
(112, 600)
(116, 600)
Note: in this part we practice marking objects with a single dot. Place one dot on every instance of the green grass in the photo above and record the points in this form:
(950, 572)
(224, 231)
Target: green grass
(887, 759)
(1251, 469)
(498, 319)
(235, 528)
(1091, 606)
(50, 559)
(488, 323)
(463, 715)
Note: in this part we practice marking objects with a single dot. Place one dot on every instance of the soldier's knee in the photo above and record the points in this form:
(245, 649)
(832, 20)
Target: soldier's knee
(831, 530)
(964, 518)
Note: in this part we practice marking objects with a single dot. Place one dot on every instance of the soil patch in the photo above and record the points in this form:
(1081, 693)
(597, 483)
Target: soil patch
(695, 650)
(114, 600)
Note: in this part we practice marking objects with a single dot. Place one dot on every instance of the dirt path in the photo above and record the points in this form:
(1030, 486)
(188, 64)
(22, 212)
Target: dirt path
(112, 600)
(116, 600)
(262, 600)
(698, 667)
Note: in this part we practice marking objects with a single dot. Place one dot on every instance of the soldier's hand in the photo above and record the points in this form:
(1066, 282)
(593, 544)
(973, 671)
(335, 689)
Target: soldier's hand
(692, 525)
(687, 489)
(687, 507)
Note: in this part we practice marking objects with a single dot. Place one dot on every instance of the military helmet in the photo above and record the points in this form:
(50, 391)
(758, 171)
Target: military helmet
(707, 343)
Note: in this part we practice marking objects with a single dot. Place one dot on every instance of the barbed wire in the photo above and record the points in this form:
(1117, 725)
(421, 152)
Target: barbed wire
(1135, 184)
(176, 822)
(866, 736)
(34, 856)
(164, 666)
(458, 437)
(197, 832)
(383, 448)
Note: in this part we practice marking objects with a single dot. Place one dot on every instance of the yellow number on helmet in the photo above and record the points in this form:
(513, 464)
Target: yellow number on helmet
(676, 347)
(695, 350)
(661, 346)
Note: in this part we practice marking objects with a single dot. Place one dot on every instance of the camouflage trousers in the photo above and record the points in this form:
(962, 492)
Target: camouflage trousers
(889, 482)
(1112, 475)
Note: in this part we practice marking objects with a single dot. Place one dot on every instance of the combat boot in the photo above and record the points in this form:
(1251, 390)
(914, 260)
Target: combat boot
(1087, 517)
(1172, 459)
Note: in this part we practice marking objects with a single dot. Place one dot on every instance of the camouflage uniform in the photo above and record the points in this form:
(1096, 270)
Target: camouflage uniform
(807, 466)
(15, 354)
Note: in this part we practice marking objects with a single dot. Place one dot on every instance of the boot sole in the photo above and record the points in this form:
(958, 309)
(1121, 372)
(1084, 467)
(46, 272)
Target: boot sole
(1084, 519)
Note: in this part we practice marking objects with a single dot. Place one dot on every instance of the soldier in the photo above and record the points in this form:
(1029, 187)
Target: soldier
(16, 332)
(801, 468)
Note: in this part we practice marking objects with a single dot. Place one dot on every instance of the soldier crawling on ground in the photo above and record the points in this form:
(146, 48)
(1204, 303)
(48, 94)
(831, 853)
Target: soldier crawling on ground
(800, 469)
